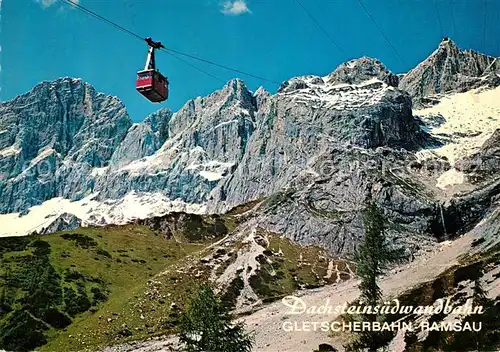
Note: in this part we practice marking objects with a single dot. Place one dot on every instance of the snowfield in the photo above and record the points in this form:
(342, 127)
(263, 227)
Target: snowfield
(450, 178)
(464, 122)
(338, 96)
(471, 118)
(92, 212)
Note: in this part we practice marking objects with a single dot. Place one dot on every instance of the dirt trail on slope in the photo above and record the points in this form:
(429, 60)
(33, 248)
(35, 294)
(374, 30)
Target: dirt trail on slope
(268, 322)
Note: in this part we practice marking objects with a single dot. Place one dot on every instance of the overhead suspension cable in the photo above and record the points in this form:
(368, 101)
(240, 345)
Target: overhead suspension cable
(167, 50)
(453, 19)
(193, 66)
(439, 18)
(219, 65)
(485, 20)
(382, 32)
(320, 27)
(125, 30)
(96, 15)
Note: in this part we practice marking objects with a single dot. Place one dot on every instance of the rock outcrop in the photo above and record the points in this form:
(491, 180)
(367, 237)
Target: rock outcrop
(484, 163)
(143, 139)
(64, 222)
(450, 69)
(51, 140)
(360, 70)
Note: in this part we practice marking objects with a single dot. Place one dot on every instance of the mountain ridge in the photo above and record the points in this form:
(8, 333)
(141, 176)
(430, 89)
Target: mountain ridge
(234, 146)
(260, 194)
(450, 69)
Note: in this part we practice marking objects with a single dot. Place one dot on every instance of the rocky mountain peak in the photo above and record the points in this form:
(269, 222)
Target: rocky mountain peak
(359, 70)
(260, 96)
(158, 121)
(447, 50)
(59, 114)
(236, 90)
(450, 69)
(69, 90)
(58, 83)
(51, 134)
(236, 85)
(260, 91)
(213, 109)
(448, 43)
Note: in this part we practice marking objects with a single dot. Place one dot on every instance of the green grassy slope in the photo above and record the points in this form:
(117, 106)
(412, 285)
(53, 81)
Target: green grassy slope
(58, 285)
(93, 287)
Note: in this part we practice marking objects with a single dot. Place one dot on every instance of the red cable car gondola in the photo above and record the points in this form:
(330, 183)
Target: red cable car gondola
(150, 82)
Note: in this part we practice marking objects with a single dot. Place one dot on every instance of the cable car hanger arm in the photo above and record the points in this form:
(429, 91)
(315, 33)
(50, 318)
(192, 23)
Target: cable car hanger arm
(150, 61)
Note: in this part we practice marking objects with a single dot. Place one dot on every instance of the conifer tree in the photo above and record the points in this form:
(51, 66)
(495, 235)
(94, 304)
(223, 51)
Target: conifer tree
(479, 295)
(479, 299)
(207, 326)
(372, 259)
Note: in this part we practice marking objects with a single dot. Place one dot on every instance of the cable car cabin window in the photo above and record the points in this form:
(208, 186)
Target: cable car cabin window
(144, 80)
(144, 75)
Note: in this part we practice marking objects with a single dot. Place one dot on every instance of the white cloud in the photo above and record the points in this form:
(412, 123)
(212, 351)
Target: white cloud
(235, 8)
(48, 3)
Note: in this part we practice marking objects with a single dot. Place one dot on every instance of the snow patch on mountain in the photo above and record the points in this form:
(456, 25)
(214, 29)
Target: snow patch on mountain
(211, 176)
(99, 171)
(44, 153)
(212, 170)
(450, 178)
(339, 96)
(92, 212)
(470, 119)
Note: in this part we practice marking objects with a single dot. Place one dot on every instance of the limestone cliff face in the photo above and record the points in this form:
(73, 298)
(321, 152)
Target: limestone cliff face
(450, 69)
(203, 143)
(308, 118)
(52, 137)
(232, 146)
(143, 139)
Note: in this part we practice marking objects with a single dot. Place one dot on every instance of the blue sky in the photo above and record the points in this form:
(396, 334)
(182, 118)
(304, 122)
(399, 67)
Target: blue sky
(44, 39)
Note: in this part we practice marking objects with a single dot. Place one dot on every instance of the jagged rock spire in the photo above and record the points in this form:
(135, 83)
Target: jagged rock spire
(450, 69)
